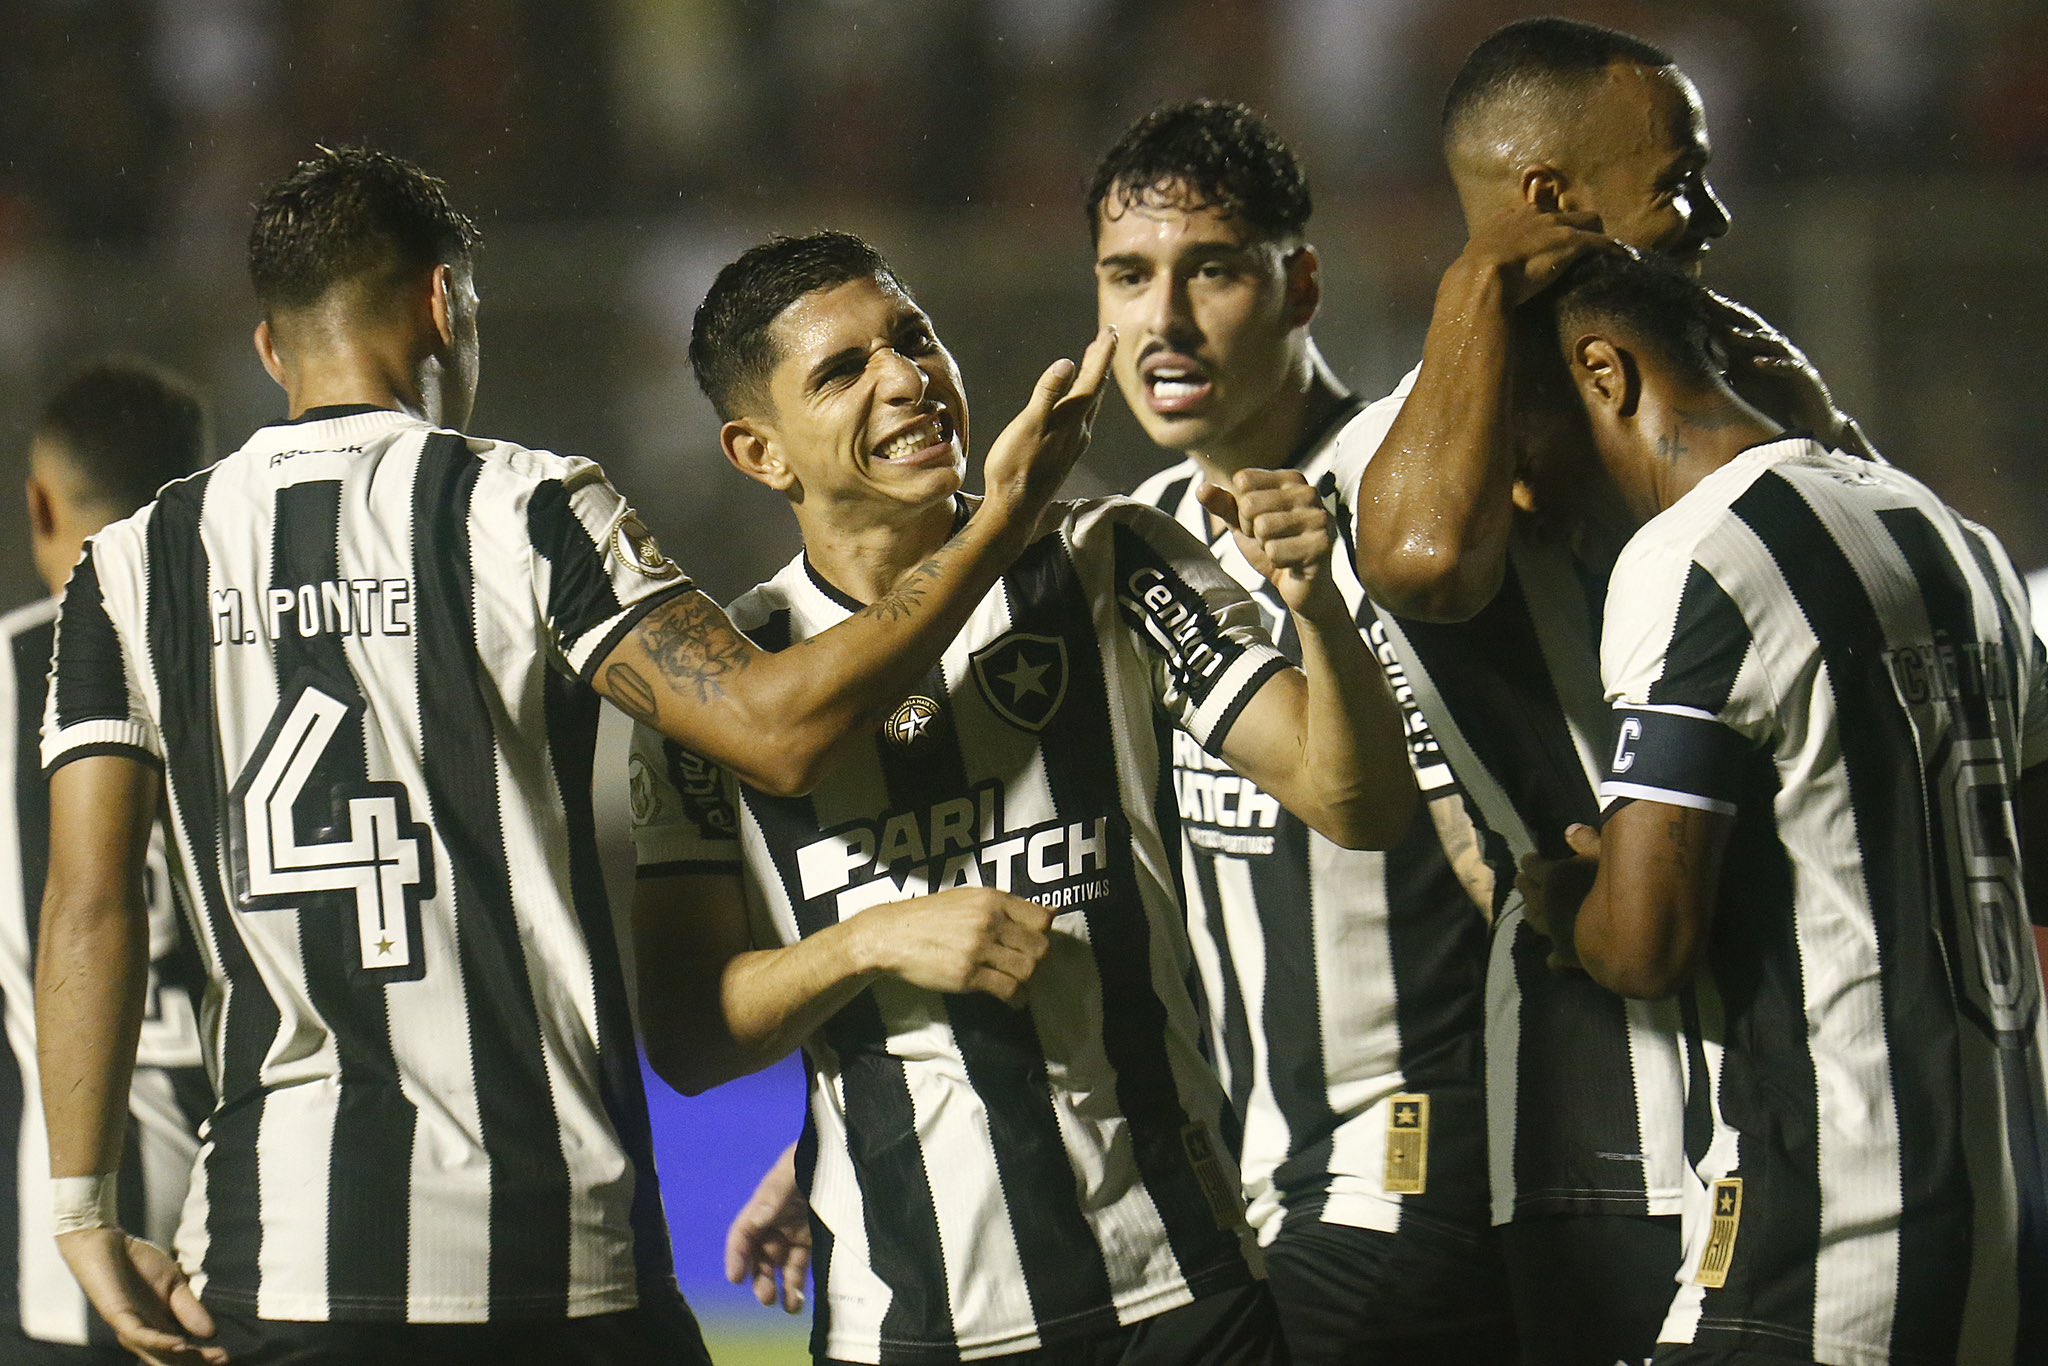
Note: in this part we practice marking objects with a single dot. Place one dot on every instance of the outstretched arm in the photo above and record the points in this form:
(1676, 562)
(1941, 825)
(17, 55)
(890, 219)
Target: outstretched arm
(1327, 741)
(1434, 503)
(771, 1236)
(775, 719)
(92, 966)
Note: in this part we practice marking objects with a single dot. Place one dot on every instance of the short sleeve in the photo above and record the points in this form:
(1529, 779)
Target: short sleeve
(1356, 444)
(96, 703)
(685, 818)
(1201, 636)
(598, 569)
(1680, 670)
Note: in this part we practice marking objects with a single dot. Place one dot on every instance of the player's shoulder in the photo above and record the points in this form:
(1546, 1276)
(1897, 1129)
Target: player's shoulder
(532, 465)
(778, 596)
(1351, 447)
(1087, 523)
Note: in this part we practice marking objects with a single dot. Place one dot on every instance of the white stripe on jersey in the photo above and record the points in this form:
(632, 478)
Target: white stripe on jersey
(430, 599)
(1832, 582)
(1362, 926)
(1611, 1140)
(1039, 772)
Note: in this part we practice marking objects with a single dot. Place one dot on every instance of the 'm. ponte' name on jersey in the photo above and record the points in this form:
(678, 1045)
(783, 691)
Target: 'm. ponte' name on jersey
(909, 853)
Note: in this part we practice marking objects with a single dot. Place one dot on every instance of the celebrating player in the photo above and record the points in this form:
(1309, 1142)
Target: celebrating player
(971, 927)
(361, 660)
(105, 442)
(1344, 987)
(1561, 138)
(1831, 770)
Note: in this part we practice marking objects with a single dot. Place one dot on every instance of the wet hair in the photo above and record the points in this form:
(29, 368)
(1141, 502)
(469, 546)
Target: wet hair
(124, 428)
(731, 350)
(1537, 62)
(351, 215)
(1204, 154)
(1649, 301)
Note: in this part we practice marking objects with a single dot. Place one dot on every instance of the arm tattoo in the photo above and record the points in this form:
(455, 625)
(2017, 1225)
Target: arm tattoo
(902, 600)
(692, 643)
(631, 693)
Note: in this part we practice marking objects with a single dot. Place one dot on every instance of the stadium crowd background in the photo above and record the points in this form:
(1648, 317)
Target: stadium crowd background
(1888, 160)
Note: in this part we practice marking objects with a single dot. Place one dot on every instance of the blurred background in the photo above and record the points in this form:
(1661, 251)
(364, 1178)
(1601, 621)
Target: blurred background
(1886, 162)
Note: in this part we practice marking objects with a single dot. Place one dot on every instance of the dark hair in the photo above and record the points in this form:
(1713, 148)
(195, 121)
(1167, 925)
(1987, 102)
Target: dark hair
(1539, 57)
(730, 349)
(1204, 154)
(351, 214)
(1656, 303)
(126, 428)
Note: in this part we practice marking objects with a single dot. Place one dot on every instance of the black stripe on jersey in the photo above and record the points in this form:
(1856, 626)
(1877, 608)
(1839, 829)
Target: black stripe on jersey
(1047, 598)
(1491, 676)
(580, 593)
(901, 1219)
(1951, 613)
(1065, 1275)
(1885, 794)
(1173, 494)
(1292, 1018)
(572, 712)
(32, 651)
(1237, 1030)
(180, 651)
(93, 684)
(529, 1253)
(370, 1157)
(1711, 637)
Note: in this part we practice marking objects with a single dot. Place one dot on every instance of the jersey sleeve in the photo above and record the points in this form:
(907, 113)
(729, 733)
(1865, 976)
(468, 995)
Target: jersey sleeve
(96, 703)
(1356, 445)
(1200, 635)
(685, 816)
(1681, 671)
(597, 568)
(2034, 701)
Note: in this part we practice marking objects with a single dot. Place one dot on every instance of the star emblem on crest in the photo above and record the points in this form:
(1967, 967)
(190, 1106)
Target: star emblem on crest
(1023, 677)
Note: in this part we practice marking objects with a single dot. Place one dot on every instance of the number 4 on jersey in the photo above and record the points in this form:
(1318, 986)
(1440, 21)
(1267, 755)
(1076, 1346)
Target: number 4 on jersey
(382, 863)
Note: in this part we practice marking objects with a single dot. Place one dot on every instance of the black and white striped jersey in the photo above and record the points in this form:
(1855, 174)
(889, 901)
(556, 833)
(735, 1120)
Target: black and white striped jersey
(1343, 987)
(985, 1181)
(358, 647)
(1582, 1087)
(1817, 646)
(171, 1094)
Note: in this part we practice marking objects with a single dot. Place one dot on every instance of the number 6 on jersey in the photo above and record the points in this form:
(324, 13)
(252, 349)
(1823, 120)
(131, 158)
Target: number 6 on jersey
(382, 859)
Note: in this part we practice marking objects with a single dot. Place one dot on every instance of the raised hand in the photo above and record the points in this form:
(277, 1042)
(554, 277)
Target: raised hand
(143, 1295)
(1770, 371)
(1554, 889)
(1529, 250)
(770, 1237)
(1030, 460)
(1283, 530)
(966, 939)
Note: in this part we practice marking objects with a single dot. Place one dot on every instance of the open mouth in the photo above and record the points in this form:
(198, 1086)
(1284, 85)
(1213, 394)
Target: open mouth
(929, 434)
(1174, 384)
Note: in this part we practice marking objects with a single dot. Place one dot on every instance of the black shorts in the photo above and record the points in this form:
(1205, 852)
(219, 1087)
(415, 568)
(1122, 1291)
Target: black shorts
(1229, 1328)
(18, 1349)
(1591, 1289)
(661, 1332)
(1358, 1297)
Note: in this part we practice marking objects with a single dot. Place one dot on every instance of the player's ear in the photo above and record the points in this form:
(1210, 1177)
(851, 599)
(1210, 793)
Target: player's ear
(42, 508)
(1304, 275)
(1546, 189)
(751, 449)
(1605, 375)
(266, 351)
(440, 303)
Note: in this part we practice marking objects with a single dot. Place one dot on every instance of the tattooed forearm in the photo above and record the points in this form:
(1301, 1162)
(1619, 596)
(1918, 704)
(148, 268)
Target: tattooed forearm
(692, 643)
(902, 600)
